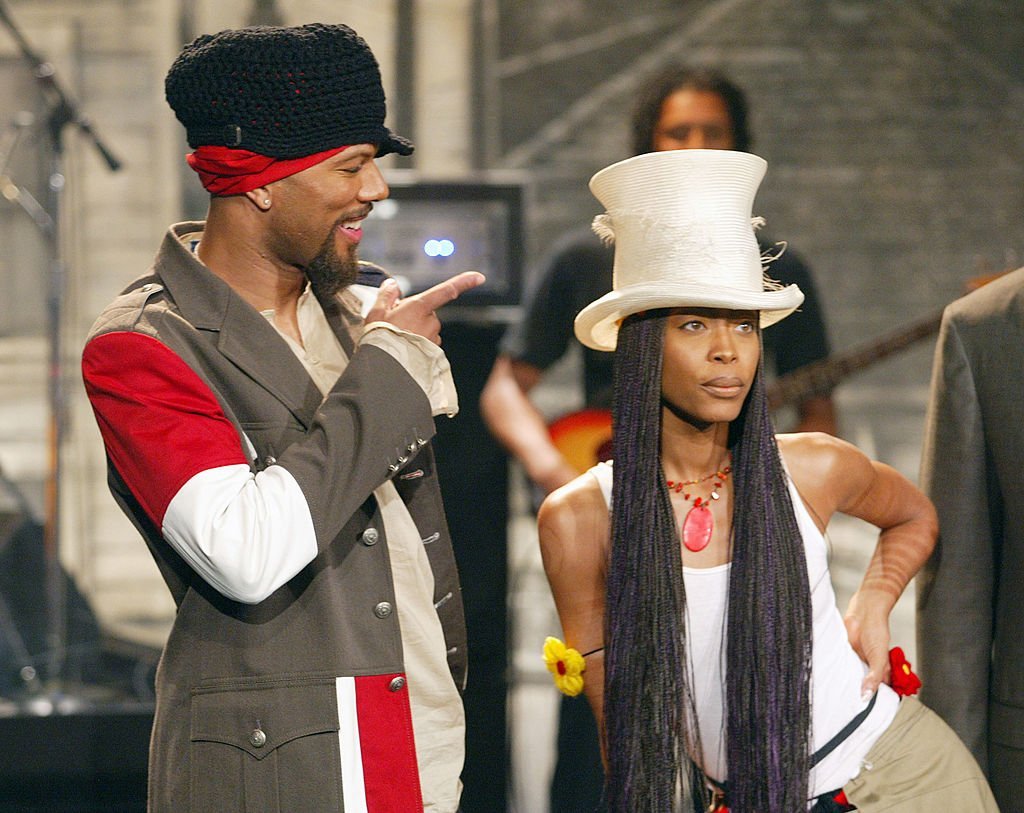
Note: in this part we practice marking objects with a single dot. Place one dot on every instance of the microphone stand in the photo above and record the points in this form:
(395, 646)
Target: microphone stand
(12, 190)
(62, 112)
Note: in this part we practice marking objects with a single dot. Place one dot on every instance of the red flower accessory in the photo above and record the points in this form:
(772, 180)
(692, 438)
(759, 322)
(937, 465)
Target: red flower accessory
(904, 681)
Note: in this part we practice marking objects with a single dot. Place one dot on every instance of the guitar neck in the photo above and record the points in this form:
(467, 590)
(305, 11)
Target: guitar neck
(820, 377)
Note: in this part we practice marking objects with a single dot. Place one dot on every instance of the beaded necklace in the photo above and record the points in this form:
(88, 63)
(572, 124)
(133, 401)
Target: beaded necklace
(699, 524)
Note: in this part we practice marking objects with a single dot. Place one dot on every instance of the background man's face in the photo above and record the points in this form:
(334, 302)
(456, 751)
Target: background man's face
(693, 119)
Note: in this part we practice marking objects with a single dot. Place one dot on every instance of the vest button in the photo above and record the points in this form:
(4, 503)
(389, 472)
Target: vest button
(382, 610)
(370, 536)
(396, 684)
(258, 738)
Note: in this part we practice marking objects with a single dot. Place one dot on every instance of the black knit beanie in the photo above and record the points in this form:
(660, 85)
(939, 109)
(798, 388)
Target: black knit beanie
(281, 92)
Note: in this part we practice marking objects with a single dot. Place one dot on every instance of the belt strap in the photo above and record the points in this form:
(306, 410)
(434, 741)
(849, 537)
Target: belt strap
(828, 747)
(845, 732)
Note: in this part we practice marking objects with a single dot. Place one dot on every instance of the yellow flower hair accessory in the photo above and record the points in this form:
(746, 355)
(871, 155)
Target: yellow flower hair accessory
(566, 666)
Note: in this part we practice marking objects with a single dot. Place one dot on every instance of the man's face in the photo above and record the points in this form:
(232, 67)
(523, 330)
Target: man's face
(319, 212)
(693, 119)
(328, 272)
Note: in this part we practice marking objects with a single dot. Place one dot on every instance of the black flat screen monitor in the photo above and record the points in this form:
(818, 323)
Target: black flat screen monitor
(426, 232)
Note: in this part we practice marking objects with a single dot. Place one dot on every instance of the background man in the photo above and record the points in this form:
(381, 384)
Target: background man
(273, 448)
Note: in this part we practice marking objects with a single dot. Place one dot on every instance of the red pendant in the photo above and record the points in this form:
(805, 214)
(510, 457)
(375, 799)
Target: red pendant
(697, 528)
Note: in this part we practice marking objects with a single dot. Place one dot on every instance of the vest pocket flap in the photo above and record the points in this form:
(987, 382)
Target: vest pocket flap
(258, 716)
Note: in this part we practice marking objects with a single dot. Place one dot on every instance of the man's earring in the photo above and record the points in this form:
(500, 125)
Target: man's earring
(266, 202)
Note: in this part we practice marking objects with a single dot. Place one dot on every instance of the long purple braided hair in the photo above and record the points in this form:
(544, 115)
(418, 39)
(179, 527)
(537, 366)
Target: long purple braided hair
(650, 719)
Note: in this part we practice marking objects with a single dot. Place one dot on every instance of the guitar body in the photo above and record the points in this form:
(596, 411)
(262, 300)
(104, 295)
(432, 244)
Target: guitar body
(583, 438)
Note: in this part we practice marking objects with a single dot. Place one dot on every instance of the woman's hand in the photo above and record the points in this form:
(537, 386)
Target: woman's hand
(867, 625)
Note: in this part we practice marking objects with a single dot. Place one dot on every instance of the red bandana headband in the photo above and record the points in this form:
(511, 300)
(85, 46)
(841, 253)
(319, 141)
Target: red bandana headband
(229, 171)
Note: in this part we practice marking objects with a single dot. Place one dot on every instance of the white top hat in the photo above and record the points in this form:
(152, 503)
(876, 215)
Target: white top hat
(684, 236)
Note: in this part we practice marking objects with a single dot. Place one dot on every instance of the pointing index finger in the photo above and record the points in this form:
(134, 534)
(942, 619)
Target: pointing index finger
(451, 289)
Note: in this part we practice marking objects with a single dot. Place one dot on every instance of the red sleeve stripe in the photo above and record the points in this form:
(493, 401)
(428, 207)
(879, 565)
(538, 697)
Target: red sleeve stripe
(160, 422)
(182, 458)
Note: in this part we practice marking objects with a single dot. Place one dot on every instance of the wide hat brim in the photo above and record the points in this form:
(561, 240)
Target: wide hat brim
(597, 325)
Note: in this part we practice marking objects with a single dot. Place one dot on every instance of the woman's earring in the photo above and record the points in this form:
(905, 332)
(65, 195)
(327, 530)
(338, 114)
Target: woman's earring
(266, 202)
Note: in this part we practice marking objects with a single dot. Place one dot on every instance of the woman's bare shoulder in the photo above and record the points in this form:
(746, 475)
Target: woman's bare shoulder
(817, 455)
(583, 493)
(573, 520)
(824, 469)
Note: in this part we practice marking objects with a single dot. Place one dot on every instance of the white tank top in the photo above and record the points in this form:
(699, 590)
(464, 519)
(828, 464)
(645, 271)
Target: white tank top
(836, 670)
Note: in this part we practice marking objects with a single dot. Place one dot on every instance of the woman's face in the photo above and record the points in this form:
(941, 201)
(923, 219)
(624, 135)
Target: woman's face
(710, 359)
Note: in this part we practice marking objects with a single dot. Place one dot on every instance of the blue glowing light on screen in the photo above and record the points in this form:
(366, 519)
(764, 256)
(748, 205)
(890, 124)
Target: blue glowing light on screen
(439, 248)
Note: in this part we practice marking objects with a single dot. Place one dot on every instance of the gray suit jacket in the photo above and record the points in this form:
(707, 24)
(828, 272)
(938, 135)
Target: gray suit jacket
(970, 598)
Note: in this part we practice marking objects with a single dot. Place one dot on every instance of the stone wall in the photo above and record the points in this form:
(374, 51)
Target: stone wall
(893, 132)
(109, 57)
